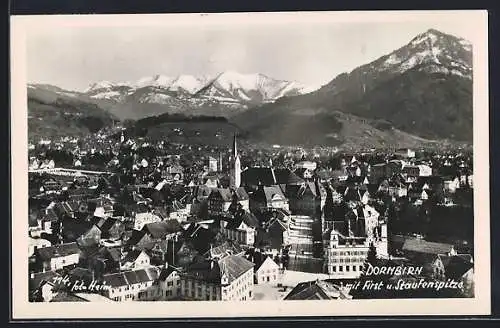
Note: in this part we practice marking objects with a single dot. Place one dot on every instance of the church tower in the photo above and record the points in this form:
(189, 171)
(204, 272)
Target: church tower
(235, 167)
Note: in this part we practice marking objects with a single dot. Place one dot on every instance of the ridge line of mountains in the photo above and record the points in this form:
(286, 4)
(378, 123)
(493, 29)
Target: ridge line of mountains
(418, 94)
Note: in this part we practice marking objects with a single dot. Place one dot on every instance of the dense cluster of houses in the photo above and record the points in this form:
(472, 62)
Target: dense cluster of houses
(153, 229)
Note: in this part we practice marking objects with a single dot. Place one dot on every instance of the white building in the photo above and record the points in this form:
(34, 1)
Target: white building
(239, 231)
(345, 256)
(144, 218)
(212, 164)
(451, 185)
(57, 257)
(36, 243)
(267, 272)
(425, 170)
(133, 285)
(228, 279)
(306, 165)
(381, 244)
(135, 259)
(169, 284)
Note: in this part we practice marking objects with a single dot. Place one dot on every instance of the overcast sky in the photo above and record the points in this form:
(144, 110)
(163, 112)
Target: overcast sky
(73, 56)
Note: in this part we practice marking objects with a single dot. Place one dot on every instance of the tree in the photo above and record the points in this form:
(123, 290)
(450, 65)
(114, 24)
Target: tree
(372, 255)
(236, 208)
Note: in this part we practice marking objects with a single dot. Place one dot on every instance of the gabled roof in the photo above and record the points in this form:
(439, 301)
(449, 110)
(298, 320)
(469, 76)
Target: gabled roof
(307, 291)
(159, 230)
(136, 237)
(73, 229)
(131, 277)
(241, 194)
(234, 266)
(426, 247)
(50, 215)
(105, 224)
(166, 272)
(39, 278)
(267, 194)
(315, 290)
(59, 250)
(456, 266)
(223, 193)
(263, 260)
(132, 256)
(258, 176)
(225, 249)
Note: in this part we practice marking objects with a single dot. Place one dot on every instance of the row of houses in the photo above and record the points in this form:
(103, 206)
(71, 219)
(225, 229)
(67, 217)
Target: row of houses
(225, 276)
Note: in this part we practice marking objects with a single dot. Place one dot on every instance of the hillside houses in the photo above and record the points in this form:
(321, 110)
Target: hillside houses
(170, 222)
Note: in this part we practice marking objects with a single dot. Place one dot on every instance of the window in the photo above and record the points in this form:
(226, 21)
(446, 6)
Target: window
(170, 283)
(360, 268)
(334, 268)
(347, 268)
(354, 268)
(341, 268)
(178, 282)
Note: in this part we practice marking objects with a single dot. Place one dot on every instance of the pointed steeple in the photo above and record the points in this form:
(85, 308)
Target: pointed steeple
(236, 167)
(235, 149)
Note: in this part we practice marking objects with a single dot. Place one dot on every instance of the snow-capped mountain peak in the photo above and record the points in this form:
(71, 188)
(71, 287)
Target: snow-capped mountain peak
(434, 51)
(254, 87)
(187, 83)
(159, 80)
(228, 87)
(99, 85)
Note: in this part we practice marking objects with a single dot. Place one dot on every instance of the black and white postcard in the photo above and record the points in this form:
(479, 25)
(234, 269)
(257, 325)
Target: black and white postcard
(250, 164)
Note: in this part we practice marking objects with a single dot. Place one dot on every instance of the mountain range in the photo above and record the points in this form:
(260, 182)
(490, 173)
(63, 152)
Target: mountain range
(54, 112)
(419, 93)
(423, 89)
(225, 94)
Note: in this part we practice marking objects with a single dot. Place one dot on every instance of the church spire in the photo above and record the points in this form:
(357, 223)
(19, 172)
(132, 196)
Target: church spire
(236, 167)
(235, 149)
